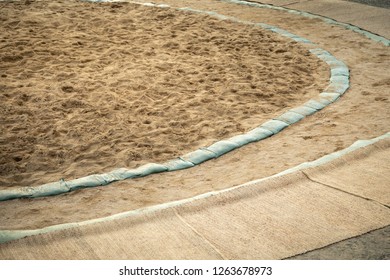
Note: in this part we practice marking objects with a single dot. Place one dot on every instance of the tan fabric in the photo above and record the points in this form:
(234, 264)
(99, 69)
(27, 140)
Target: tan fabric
(158, 236)
(358, 173)
(273, 219)
(282, 217)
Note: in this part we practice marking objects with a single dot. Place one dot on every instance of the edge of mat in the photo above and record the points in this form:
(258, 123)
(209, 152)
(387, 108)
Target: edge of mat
(9, 235)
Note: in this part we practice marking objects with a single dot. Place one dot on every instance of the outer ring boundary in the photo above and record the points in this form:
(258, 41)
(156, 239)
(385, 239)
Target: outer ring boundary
(339, 83)
(9, 235)
(329, 20)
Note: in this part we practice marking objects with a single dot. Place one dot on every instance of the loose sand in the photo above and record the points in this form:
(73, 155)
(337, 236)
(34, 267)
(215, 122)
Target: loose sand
(362, 113)
(90, 87)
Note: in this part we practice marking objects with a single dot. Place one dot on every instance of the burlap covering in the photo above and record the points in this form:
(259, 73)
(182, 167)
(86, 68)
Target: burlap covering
(273, 219)
(360, 174)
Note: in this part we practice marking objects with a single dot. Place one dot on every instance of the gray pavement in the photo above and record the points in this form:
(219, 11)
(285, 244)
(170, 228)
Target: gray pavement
(370, 246)
(376, 3)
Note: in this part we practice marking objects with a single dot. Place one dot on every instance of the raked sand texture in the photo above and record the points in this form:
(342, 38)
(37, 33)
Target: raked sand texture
(273, 219)
(362, 113)
(90, 87)
(339, 83)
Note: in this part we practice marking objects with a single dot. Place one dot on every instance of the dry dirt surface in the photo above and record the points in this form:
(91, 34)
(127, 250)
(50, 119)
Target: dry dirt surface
(90, 87)
(362, 113)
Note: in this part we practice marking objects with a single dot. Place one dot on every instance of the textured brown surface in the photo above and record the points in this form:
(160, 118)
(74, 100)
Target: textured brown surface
(370, 17)
(91, 87)
(362, 113)
(355, 178)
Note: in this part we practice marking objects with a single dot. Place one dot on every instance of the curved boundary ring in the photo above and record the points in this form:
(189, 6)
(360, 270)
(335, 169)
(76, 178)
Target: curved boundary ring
(9, 235)
(339, 83)
(349, 26)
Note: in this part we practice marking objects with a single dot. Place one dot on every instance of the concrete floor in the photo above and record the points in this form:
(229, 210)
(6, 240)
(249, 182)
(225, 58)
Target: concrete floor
(376, 3)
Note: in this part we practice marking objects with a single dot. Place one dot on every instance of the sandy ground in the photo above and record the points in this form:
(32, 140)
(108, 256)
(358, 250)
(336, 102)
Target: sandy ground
(87, 87)
(362, 113)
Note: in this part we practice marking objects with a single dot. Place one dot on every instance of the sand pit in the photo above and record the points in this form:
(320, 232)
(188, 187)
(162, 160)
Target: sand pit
(88, 87)
(362, 113)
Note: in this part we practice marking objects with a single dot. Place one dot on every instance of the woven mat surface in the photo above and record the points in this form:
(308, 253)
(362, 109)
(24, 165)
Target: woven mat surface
(272, 219)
